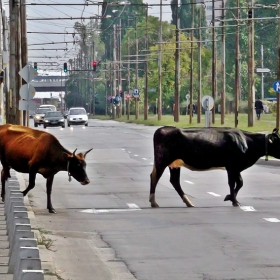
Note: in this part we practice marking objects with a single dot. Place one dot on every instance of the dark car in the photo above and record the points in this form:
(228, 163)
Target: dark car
(39, 116)
(54, 118)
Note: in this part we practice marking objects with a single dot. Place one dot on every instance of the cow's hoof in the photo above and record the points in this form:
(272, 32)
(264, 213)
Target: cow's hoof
(189, 204)
(24, 193)
(52, 211)
(236, 204)
(228, 197)
(187, 201)
(154, 205)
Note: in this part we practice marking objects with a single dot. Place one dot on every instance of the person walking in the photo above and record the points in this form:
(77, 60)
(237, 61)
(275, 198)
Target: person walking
(258, 107)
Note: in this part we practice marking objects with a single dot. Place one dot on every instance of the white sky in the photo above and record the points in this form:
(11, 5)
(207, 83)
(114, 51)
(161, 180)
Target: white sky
(56, 56)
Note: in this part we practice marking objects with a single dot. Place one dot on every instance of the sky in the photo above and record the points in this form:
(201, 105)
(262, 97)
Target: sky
(40, 46)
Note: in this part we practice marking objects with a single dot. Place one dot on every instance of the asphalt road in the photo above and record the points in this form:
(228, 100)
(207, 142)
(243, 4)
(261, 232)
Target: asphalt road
(107, 230)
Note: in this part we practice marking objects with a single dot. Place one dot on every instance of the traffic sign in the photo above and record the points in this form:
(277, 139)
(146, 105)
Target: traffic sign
(27, 92)
(136, 92)
(27, 73)
(276, 86)
(263, 70)
(27, 105)
(207, 102)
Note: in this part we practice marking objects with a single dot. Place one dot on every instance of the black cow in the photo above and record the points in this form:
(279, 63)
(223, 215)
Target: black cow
(201, 149)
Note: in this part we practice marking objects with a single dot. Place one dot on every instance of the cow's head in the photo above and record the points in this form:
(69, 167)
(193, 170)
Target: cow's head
(274, 143)
(76, 167)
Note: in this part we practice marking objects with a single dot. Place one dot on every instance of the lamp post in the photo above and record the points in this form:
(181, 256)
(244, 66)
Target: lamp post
(160, 65)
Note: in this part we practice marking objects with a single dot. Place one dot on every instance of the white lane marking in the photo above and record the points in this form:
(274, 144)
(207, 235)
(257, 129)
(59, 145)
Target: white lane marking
(214, 194)
(151, 163)
(272, 220)
(88, 211)
(247, 208)
(189, 182)
(129, 152)
(144, 158)
(136, 155)
(132, 207)
(123, 149)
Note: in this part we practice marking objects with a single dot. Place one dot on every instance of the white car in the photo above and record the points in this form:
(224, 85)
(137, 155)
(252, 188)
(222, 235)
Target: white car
(77, 115)
(49, 106)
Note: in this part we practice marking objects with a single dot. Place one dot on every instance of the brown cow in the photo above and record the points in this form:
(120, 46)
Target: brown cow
(27, 150)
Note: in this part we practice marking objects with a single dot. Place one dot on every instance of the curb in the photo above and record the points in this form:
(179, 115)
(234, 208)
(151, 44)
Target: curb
(45, 255)
(270, 162)
(26, 259)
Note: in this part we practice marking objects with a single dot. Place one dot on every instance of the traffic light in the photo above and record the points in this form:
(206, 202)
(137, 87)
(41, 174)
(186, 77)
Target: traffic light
(65, 67)
(94, 64)
(35, 67)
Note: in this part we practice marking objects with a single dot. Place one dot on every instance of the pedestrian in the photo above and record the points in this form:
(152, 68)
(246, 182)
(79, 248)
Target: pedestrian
(258, 107)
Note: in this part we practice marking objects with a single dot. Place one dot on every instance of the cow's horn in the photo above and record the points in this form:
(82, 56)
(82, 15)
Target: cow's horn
(270, 141)
(87, 152)
(74, 152)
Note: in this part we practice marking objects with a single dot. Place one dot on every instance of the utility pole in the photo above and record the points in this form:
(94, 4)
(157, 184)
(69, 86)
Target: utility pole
(128, 73)
(159, 99)
(177, 66)
(278, 73)
(24, 47)
(119, 108)
(223, 96)
(262, 85)
(198, 109)
(136, 70)
(93, 81)
(13, 115)
(251, 65)
(114, 74)
(146, 69)
(191, 70)
(214, 70)
(237, 68)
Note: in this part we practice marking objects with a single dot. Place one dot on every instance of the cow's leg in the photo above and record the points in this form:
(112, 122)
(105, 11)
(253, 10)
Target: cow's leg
(49, 193)
(155, 176)
(233, 178)
(175, 181)
(31, 183)
(5, 174)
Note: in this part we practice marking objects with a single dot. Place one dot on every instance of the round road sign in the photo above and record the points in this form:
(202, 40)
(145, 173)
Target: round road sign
(207, 102)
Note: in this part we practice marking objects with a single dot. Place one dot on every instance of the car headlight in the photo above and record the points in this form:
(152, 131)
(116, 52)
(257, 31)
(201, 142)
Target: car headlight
(46, 120)
(62, 120)
(71, 119)
(37, 117)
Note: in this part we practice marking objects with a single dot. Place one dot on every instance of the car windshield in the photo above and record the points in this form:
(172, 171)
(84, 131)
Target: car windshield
(43, 111)
(53, 114)
(77, 112)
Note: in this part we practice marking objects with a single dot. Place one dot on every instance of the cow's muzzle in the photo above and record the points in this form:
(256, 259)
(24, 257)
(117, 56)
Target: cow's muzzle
(85, 182)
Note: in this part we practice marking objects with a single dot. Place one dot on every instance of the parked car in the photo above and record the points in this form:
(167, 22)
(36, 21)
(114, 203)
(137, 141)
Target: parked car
(77, 115)
(54, 118)
(52, 107)
(39, 115)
